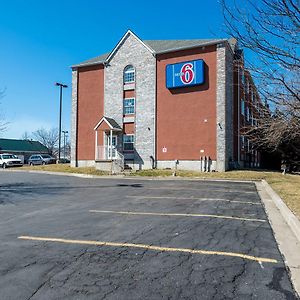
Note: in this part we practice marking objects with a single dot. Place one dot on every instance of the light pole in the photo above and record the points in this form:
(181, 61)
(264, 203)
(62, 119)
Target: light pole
(61, 86)
(65, 139)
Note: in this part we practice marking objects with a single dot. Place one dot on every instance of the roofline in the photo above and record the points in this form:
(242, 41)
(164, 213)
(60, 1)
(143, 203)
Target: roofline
(129, 32)
(107, 122)
(35, 151)
(150, 49)
(88, 64)
(191, 47)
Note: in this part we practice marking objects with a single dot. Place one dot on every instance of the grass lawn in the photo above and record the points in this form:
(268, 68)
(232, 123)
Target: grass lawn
(287, 186)
(65, 168)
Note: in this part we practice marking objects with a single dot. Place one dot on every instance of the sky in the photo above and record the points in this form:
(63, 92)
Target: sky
(41, 40)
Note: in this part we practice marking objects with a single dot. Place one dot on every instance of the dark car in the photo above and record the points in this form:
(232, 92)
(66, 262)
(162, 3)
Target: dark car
(41, 159)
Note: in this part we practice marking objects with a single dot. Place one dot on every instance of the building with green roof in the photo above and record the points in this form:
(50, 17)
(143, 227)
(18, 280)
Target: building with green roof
(22, 148)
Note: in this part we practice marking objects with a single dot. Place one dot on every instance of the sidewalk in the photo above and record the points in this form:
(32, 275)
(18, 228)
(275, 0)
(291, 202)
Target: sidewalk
(286, 228)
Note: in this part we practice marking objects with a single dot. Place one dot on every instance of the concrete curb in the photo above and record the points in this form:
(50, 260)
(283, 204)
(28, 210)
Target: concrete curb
(285, 227)
(289, 217)
(166, 178)
(66, 174)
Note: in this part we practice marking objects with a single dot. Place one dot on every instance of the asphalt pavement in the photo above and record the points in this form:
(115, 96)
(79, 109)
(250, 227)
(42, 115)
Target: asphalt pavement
(73, 238)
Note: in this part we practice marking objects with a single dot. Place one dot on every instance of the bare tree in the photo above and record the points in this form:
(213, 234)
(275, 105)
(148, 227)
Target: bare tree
(25, 136)
(48, 138)
(270, 31)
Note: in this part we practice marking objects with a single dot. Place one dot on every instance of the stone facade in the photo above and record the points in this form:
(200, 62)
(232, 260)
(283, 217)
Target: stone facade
(224, 122)
(74, 119)
(229, 106)
(133, 52)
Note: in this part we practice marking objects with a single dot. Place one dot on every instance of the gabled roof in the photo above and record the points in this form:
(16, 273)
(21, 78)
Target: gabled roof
(156, 47)
(11, 145)
(110, 122)
(128, 33)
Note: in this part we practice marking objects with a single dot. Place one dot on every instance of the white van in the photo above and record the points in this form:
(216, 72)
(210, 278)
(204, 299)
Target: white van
(9, 160)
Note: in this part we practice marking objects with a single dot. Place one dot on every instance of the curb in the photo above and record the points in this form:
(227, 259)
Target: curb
(285, 227)
(288, 216)
(166, 178)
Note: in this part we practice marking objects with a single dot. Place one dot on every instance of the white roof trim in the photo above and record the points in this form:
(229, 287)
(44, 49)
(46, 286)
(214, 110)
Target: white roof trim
(129, 32)
(107, 122)
(99, 123)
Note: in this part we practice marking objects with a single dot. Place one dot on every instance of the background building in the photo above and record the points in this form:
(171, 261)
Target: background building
(153, 103)
(22, 148)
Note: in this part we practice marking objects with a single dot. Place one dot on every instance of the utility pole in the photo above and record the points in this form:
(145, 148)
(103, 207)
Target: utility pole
(61, 86)
(65, 132)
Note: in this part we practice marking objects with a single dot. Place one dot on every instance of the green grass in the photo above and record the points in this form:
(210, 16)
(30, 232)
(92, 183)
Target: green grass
(66, 168)
(287, 186)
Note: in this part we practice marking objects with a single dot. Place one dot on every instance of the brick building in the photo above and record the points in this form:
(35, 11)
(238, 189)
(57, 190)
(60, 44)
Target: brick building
(152, 103)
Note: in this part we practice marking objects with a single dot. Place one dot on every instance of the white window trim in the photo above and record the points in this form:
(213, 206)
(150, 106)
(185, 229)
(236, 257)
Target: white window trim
(130, 134)
(128, 106)
(127, 72)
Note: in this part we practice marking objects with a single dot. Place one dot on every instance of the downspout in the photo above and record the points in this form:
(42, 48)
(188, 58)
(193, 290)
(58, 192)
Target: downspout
(111, 149)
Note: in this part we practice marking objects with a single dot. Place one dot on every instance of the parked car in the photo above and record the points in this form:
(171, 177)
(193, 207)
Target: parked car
(41, 159)
(9, 160)
(64, 161)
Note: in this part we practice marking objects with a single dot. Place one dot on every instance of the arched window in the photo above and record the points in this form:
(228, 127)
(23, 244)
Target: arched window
(129, 74)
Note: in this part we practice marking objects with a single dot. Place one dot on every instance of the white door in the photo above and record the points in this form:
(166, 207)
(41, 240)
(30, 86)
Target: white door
(113, 153)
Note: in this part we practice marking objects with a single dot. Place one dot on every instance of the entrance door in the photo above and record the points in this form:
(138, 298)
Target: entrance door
(113, 153)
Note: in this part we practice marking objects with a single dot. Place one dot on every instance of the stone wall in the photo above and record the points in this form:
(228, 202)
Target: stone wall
(224, 121)
(133, 52)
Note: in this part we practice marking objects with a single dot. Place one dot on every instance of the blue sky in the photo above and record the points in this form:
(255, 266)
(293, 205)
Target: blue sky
(40, 40)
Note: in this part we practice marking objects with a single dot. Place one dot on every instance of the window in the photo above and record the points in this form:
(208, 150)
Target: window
(128, 142)
(242, 141)
(129, 74)
(128, 105)
(243, 107)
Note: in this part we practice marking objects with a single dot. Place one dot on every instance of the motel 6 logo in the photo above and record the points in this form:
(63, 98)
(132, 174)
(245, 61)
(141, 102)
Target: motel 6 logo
(187, 73)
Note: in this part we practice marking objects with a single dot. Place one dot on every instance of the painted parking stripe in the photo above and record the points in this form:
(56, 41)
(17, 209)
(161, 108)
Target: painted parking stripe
(174, 215)
(149, 247)
(194, 198)
(201, 190)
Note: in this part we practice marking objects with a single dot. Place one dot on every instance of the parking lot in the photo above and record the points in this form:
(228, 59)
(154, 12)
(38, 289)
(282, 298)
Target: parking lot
(65, 237)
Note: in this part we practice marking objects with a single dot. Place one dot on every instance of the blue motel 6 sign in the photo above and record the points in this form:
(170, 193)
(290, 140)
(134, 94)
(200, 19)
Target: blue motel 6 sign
(185, 74)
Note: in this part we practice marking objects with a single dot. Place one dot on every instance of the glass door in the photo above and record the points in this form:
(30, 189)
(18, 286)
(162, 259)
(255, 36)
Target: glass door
(112, 153)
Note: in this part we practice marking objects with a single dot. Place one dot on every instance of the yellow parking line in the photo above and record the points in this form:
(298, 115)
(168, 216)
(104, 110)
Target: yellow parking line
(194, 198)
(173, 215)
(149, 247)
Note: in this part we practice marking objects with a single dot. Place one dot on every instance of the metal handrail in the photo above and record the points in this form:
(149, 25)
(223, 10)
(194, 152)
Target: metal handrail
(119, 160)
(102, 153)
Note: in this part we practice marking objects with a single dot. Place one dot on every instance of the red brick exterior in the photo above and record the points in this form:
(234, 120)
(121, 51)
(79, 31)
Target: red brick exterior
(186, 117)
(90, 109)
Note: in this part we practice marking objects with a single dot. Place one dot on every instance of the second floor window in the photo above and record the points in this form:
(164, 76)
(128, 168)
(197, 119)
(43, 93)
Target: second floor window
(129, 106)
(129, 74)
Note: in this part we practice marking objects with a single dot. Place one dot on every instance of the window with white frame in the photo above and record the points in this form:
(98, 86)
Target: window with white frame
(129, 106)
(128, 142)
(129, 74)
